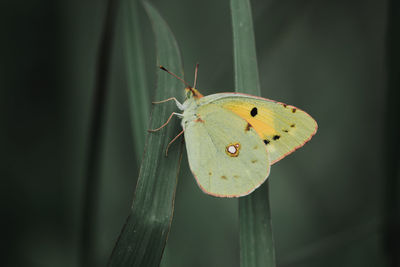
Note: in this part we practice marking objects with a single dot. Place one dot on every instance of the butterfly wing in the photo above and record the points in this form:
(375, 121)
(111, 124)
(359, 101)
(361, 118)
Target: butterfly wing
(283, 128)
(226, 156)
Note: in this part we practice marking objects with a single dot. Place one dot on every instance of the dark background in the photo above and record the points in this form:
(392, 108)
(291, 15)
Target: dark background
(328, 199)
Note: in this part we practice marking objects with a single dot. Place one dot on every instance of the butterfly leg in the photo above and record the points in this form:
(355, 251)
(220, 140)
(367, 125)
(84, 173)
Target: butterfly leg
(176, 137)
(162, 126)
(178, 104)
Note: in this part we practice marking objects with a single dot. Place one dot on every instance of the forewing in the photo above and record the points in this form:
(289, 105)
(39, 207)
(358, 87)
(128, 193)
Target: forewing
(283, 128)
(212, 141)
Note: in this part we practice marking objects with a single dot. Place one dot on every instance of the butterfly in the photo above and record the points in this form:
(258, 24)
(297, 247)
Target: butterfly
(232, 139)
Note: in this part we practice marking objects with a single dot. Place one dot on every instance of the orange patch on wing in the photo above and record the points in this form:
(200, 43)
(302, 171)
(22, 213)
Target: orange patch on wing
(262, 123)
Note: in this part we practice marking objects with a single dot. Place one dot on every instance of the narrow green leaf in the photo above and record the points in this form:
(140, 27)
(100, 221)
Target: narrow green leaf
(244, 49)
(256, 239)
(136, 76)
(144, 235)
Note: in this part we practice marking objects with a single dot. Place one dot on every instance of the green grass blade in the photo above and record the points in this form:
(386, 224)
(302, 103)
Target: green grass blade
(136, 76)
(244, 49)
(256, 239)
(144, 235)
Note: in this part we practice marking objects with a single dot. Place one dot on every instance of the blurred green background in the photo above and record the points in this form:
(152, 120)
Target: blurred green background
(327, 199)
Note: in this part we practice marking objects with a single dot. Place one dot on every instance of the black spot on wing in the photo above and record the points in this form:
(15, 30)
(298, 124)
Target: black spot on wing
(293, 110)
(276, 137)
(292, 125)
(266, 141)
(254, 112)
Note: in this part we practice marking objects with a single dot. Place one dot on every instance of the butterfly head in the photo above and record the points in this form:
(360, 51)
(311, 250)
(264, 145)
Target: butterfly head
(192, 93)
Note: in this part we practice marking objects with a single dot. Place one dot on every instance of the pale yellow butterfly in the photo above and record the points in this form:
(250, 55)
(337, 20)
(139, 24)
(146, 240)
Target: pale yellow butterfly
(233, 138)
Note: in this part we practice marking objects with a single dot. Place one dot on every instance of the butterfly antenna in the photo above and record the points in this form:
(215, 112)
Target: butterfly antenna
(195, 75)
(176, 76)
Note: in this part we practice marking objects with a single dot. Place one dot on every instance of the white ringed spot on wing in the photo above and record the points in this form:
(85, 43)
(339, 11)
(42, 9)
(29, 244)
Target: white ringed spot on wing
(232, 149)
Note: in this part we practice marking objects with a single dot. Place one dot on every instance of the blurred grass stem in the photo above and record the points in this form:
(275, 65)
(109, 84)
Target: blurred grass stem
(95, 137)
